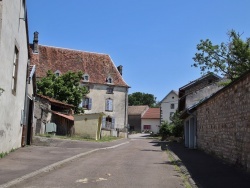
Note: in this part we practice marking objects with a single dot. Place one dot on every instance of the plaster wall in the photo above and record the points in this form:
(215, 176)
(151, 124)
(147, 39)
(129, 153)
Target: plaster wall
(12, 33)
(171, 98)
(155, 123)
(98, 94)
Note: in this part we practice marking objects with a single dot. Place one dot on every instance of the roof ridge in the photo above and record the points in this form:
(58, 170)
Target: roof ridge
(73, 49)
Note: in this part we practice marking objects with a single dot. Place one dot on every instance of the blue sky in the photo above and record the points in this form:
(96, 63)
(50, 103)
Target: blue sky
(154, 40)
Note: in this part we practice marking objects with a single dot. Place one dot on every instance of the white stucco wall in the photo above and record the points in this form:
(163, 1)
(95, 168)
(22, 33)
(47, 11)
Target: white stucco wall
(171, 98)
(98, 94)
(13, 32)
(154, 123)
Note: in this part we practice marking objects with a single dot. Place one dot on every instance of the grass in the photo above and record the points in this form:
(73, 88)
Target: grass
(83, 138)
(177, 164)
(4, 154)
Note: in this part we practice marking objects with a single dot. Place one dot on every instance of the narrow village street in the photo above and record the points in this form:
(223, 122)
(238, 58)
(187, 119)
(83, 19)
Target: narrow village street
(138, 163)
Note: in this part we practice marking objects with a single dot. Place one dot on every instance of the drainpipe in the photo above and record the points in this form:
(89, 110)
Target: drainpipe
(126, 114)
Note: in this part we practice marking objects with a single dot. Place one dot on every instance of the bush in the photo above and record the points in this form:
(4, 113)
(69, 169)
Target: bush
(165, 130)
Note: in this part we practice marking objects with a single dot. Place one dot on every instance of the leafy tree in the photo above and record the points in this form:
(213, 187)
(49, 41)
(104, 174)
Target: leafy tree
(231, 59)
(139, 98)
(177, 122)
(65, 88)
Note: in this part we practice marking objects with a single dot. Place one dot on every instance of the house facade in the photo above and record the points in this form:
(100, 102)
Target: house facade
(135, 114)
(14, 57)
(108, 92)
(151, 120)
(169, 105)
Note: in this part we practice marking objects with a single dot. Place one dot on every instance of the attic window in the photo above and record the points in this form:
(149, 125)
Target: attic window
(85, 77)
(109, 80)
(57, 73)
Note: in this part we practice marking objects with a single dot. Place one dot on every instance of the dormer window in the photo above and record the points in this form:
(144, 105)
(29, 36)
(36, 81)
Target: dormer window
(57, 73)
(85, 77)
(109, 80)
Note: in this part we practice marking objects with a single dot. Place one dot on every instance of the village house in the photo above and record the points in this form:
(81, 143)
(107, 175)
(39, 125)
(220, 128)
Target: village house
(53, 116)
(16, 77)
(135, 114)
(151, 120)
(220, 123)
(190, 95)
(169, 105)
(108, 92)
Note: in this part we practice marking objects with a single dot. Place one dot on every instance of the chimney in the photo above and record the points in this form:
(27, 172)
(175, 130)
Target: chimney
(35, 42)
(120, 69)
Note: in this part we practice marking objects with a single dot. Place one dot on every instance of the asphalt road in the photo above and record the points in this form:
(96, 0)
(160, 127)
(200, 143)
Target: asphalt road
(139, 163)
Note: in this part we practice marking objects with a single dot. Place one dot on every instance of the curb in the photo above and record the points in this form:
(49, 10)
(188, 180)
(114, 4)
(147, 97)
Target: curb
(54, 166)
(183, 169)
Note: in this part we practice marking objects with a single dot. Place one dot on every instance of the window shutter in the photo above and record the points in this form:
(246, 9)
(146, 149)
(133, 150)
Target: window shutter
(90, 104)
(107, 105)
(113, 123)
(110, 105)
(103, 122)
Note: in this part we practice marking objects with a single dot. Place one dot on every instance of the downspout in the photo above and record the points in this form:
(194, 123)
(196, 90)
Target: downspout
(126, 113)
(24, 118)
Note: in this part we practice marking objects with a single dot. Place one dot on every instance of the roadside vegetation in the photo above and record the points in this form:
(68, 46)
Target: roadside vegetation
(3, 154)
(81, 138)
(175, 128)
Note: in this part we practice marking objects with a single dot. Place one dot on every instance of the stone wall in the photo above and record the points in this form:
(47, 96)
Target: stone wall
(223, 123)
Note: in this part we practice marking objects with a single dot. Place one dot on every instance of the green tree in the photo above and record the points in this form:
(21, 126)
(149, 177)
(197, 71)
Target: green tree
(177, 122)
(65, 88)
(231, 59)
(139, 98)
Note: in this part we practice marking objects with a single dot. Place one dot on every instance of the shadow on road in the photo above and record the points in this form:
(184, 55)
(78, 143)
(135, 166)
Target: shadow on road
(208, 171)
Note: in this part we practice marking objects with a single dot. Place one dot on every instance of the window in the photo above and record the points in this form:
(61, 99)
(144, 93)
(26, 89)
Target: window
(146, 127)
(172, 106)
(85, 77)
(57, 73)
(109, 105)
(109, 80)
(14, 73)
(108, 122)
(110, 90)
(171, 114)
(86, 103)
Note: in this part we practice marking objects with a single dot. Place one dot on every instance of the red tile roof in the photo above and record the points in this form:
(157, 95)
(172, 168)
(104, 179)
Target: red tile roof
(69, 117)
(152, 113)
(98, 66)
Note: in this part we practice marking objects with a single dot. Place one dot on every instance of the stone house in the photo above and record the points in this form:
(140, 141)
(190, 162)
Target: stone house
(221, 123)
(16, 101)
(108, 92)
(198, 89)
(169, 105)
(135, 114)
(53, 116)
(151, 120)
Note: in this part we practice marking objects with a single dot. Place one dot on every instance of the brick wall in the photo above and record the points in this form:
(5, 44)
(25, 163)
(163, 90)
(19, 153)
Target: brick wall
(223, 123)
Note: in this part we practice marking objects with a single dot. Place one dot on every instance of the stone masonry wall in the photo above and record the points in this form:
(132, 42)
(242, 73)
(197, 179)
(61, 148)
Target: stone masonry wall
(223, 124)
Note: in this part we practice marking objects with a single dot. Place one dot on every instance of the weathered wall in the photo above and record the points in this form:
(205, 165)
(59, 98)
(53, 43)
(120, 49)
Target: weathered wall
(12, 33)
(223, 123)
(88, 125)
(98, 94)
